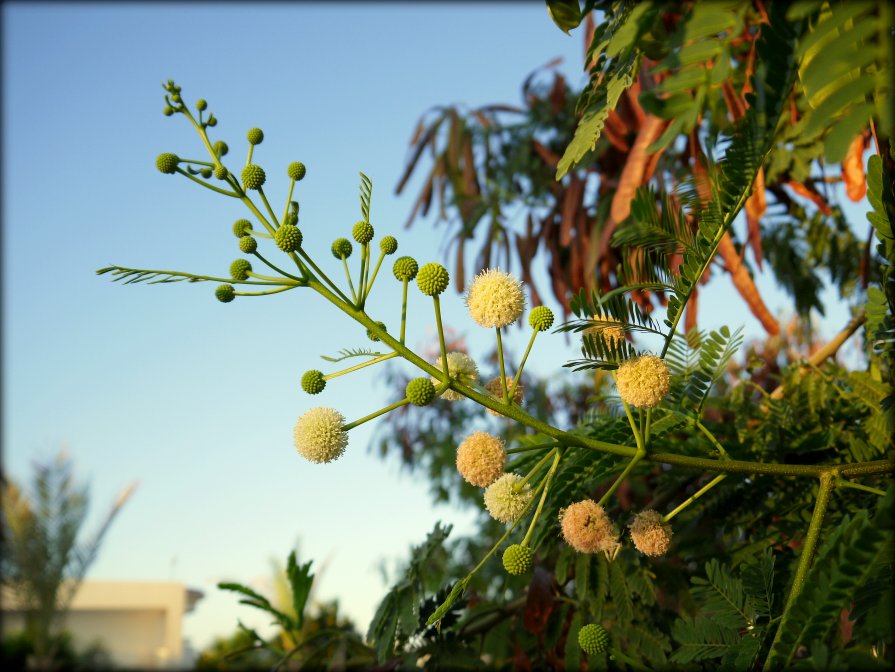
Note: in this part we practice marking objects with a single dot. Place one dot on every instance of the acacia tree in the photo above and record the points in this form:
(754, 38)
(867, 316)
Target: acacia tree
(780, 550)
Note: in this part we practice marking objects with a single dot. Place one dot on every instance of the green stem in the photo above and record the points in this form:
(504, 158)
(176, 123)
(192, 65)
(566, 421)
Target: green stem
(288, 198)
(404, 311)
(270, 212)
(272, 278)
(531, 527)
(696, 495)
(375, 273)
(535, 469)
(205, 184)
(357, 367)
(360, 280)
(251, 150)
(714, 441)
(261, 218)
(525, 449)
(348, 275)
(511, 393)
(445, 373)
(277, 269)
(842, 483)
(503, 375)
(320, 274)
(265, 293)
(381, 411)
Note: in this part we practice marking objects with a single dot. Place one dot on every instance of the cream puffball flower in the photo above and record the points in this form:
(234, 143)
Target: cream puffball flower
(504, 502)
(587, 528)
(650, 534)
(643, 381)
(496, 389)
(480, 459)
(612, 333)
(495, 298)
(319, 436)
(462, 369)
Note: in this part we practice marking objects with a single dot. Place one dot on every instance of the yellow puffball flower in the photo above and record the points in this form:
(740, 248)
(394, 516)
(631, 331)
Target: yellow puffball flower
(462, 368)
(643, 381)
(495, 298)
(650, 534)
(587, 528)
(504, 502)
(480, 459)
(319, 436)
(612, 334)
(496, 389)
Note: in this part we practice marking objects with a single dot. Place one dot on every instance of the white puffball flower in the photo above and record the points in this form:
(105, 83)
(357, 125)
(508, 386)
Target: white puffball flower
(462, 368)
(319, 436)
(495, 298)
(504, 502)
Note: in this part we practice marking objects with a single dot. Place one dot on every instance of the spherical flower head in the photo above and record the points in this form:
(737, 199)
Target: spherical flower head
(312, 382)
(242, 227)
(201, 104)
(420, 391)
(296, 170)
(504, 501)
(373, 337)
(643, 381)
(495, 298)
(248, 244)
(168, 111)
(288, 238)
(593, 639)
(432, 279)
(480, 459)
(496, 389)
(540, 318)
(225, 293)
(253, 176)
(255, 136)
(221, 172)
(462, 368)
(341, 247)
(612, 333)
(363, 232)
(517, 560)
(405, 268)
(240, 269)
(650, 534)
(319, 436)
(388, 245)
(587, 528)
(205, 172)
(167, 163)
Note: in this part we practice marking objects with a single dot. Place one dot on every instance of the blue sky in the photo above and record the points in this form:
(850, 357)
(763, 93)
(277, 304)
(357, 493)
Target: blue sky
(164, 384)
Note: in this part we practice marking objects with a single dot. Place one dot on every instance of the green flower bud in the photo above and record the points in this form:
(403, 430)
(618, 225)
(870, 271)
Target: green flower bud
(248, 244)
(220, 148)
(341, 247)
(362, 232)
(405, 268)
(167, 163)
(176, 97)
(205, 172)
(374, 337)
(225, 293)
(540, 318)
(241, 227)
(253, 176)
(420, 391)
(312, 382)
(255, 136)
(168, 111)
(296, 170)
(201, 104)
(388, 245)
(221, 172)
(288, 238)
(212, 121)
(517, 560)
(593, 639)
(239, 269)
(433, 279)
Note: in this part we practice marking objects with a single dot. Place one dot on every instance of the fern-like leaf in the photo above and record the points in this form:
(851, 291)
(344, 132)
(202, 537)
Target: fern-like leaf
(366, 193)
(347, 353)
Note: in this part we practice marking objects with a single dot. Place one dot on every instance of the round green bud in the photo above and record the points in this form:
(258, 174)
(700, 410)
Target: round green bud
(341, 247)
(242, 227)
(388, 245)
(432, 279)
(288, 238)
(405, 268)
(205, 172)
(212, 121)
(371, 335)
(420, 391)
(363, 232)
(168, 111)
(167, 163)
(296, 170)
(517, 560)
(225, 293)
(312, 382)
(221, 172)
(248, 244)
(220, 148)
(253, 176)
(176, 97)
(201, 104)
(540, 318)
(255, 136)
(593, 639)
(240, 269)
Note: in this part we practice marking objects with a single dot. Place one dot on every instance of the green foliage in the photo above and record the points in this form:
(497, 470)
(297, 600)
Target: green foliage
(697, 362)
